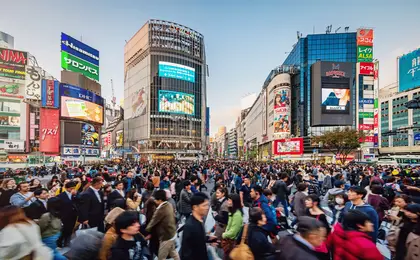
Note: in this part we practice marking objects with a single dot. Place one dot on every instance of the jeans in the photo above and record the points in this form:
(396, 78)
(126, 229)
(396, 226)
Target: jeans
(51, 242)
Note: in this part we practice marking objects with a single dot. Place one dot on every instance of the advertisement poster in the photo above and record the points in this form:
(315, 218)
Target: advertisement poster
(335, 100)
(119, 138)
(49, 130)
(176, 71)
(176, 102)
(33, 83)
(50, 93)
(364, 54)
(72, 63)
(11, 90)
(281, 110)
(366, 68)
(139, 103)
(90, 135)
(409, 70)
(73, 108)
(80, 93)
(365, 37)
(79, 49)
(10, 120)
(12, 63)
(292, 146)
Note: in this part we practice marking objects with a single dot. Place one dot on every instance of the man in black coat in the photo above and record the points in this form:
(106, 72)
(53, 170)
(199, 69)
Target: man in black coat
(92, 205)
(39, 206)
(118, 193)
(282, 192)
(68, 213)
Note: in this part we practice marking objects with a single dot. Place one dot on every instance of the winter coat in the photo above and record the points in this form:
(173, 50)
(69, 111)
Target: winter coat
(291, 249)
(20, 240)
(163, 221)
(371, 212)
(257, 241)
(299, 204)
(352, 245)
(109, 239)
(380, 204)
(185, 202)
(234, 225)
(262, 203)
(413, 247)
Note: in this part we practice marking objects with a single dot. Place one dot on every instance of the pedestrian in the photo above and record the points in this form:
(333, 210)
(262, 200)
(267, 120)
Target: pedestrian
(117, 193)
(110, 235)
(38, 206)
(379, 203)
(92, 205)
(133, 200)
(221, 212)
(68, 213)
(260, 201)
(234, 224)
(163, 221)
(282, 192)
(23, 198)
(7, 189)
(185, 200)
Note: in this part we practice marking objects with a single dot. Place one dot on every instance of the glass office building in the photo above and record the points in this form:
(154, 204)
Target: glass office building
(335, 47)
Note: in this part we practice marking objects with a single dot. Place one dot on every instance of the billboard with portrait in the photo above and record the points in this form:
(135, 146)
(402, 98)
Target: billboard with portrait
(281, 109)
(331, 84)
(291, 146)
(176, 102)
(90, 135)
(409, 70)
(139, 103)
(176, 71)
(10, 120)
(73, 108)
(281, 123)
(119, 138)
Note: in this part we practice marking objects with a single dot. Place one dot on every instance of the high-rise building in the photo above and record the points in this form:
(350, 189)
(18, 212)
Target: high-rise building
(165, 92)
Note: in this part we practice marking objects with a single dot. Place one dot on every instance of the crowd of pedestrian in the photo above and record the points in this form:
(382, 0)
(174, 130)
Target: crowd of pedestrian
(270, 210)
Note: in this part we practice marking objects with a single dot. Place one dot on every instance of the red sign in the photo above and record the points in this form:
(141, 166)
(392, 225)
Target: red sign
(375, 120)
(366, 68)
(288, 146)
(367, 139)
(365, 127)
(13, 57)
(50, 93)
(376, 74)
(49, 139)
(365, 37)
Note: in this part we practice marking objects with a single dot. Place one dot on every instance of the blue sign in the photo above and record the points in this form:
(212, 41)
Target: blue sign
(79, 49)
(417, 137)
(50, 94)
(80, 93)
(176, 71)
(409, 71)
(207, 121)
(367, 101)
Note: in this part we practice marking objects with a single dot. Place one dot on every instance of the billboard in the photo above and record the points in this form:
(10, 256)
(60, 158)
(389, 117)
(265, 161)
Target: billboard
(139, 103)
(73, 63)
(119, 138)
(331, 93)
(49, 130)
(90, 135)
(33, 83)
(365, 37)
(281, 109)
(409, 71)
(12, 63)
(364, 54)
(176, 71)
(176, 102)
(9, 120)
(292, 146)
(50, 93)
(11, 90)
(80, 93)
(73, 108)
(366, 68)
(79, 49)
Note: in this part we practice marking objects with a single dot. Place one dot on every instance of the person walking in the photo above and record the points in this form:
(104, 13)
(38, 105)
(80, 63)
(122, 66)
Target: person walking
(118, 193)
(164, 221)
(68, 213)
(234, 224)
(92, 206)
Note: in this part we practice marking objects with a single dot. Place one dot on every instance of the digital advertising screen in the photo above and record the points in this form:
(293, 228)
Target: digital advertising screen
(335, 100)
(292, 146)
(409, 71)
(90, 135)
(176, 102)
(74, 108)
(176, 71)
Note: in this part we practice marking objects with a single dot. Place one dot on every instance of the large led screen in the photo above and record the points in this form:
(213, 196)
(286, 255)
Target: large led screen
(90, 135)
(176, 102)
(176, 71)
(335, 100)
(74, 108)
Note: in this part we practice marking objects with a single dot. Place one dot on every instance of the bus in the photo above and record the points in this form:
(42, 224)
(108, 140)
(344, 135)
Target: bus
(399, 160)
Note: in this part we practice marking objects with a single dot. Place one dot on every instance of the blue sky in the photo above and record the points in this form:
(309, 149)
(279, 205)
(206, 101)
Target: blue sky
(244, 39)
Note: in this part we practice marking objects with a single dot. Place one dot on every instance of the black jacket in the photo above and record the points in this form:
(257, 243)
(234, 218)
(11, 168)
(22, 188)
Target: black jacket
(194, 239)
(282, 192)
(114, 195)
(35, 210)
(5, 197)
(121, 249)
(92, 209)
(291, 249)
(257, 241)
(69, 208)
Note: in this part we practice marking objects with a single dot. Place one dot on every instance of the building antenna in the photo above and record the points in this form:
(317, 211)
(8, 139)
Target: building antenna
(336, 30)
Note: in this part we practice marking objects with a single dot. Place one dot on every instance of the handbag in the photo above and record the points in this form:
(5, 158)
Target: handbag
(83, 228)
(242, 251)
(227, 245)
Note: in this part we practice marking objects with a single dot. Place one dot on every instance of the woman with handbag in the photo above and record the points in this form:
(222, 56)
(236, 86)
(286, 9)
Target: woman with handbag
(234, 224)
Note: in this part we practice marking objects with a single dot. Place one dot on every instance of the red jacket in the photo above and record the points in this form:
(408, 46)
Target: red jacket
(352, 245)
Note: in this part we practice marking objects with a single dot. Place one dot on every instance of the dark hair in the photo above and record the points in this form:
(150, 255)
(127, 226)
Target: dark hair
(338, 184)
(70, 184)
(314, 198)
(12, 215)
(284, 176)
(377, 189)
(120, 202)
(198, 198)
(54, 206)
(353, 218)
(20, 184)
(150, 186)
(193, 178)
(131, 192)
(236, 204)
(187, 183)
(118, 183)
(302, 186)
(38, 192)
(307, 225)
(359, 190)
(258, 189)
(405, 197)
(160, 195)
(124, 220)
(223, 190)
(255, 215)
(96, 180)
(267, 192)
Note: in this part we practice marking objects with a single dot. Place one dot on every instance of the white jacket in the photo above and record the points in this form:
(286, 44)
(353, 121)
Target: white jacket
(19, 240)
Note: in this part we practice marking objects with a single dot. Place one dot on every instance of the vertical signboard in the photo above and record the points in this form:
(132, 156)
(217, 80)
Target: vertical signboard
(50, 93)
(49, 132)
(264, 112)
(409, 70)
(281, 106)
(376, 104)
(33, 83)
(364, 53)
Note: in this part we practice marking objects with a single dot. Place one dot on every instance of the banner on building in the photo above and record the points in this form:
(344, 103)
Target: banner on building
(292, 146)
(364, 53)
(14, 146)
(281, 108)
(50, 93)
(79, 49)
(366, 68)
(119, 138)
(14, 90)
(33, 83)
(12, 63)
(365, 37)
(49, 132)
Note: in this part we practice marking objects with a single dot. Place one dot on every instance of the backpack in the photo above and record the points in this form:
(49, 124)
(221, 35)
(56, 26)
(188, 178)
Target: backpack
(389, 193)
(242, 251)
